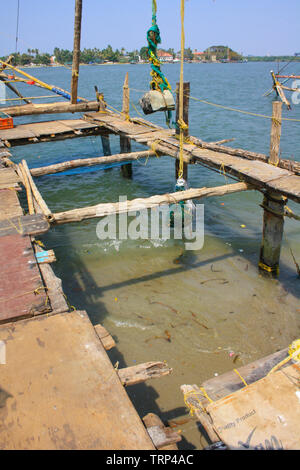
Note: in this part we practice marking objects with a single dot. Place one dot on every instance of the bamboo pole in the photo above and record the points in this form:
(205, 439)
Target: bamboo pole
(37, 195)
(60, 167)
(102, 210)
(76, 51)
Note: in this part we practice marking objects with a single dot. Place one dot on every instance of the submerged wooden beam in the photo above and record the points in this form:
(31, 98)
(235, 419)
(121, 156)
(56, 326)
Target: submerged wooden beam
(105, 338)
(51, 108)
(142, 372)
(102, 210)
(64, 166)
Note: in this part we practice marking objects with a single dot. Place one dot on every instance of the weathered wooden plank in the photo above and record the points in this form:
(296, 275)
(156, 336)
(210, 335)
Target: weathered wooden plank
(225, 384)
(106, 339)
(9, 205)
(58, 376)
(142, 372)
(22, 293)
(24, 225)
(163, 437)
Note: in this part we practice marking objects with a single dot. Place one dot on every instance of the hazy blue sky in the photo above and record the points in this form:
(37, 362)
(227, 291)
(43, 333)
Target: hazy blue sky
(248, 26)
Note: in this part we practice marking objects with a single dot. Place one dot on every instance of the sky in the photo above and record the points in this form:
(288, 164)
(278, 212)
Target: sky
(250, 27)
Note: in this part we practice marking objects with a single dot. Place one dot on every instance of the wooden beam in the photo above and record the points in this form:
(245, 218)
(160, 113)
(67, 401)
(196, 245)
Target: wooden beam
(163, 437)
(51, 108)
(80, 162)
(76, 51)
(105, 338)
(142, 372)
(46, 211)
(102, 210)
(126, 97)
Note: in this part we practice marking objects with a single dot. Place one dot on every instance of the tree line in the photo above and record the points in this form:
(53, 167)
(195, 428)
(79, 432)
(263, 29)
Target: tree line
(87, 56)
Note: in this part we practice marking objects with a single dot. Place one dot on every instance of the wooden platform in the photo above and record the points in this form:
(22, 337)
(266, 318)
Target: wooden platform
(260, 174)
(60, 391)
(49, 130)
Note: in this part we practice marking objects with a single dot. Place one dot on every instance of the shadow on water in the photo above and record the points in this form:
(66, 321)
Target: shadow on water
(84, 294)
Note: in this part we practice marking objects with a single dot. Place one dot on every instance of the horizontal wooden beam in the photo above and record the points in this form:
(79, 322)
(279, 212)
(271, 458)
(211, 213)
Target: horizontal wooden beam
(142, 372)
(50, 108)
(102, 210)
(60, 167)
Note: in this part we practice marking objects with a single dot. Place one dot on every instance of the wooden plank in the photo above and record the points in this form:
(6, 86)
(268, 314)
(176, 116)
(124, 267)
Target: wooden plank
(56, 296)
(9, 205)
(24, 225)
(143, 372)
(105, 338)
(225, 384)
(22, 293)
(163, 437)
(58, 376)
(47, 130)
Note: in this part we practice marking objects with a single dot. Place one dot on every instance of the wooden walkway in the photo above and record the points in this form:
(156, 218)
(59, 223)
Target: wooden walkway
(259, 173)
(59, 389)
(46, 131)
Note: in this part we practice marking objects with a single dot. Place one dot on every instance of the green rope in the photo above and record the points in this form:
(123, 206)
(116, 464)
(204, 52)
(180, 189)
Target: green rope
(159, 81)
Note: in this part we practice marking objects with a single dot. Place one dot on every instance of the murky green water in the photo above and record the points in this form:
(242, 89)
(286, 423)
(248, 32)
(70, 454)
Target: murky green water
(192, 309)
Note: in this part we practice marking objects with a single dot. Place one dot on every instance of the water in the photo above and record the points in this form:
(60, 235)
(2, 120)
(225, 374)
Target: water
(204, 312)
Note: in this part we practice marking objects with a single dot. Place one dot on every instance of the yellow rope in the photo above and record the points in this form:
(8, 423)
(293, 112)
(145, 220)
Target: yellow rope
(242, 379)
(294, 353)
(228, 108)
(194, 394)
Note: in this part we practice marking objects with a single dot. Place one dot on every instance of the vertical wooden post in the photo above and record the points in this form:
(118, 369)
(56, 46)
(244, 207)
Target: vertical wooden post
(125, 146)
(126, 97)
(186, 102)
(125, 143)
(76, 51)
(106, 145)
(273, 204)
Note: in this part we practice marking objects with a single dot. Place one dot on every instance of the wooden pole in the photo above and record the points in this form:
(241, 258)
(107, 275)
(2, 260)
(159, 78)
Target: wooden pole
(102, 210)
(186, 102)
(273, 205)
(37, 195)
(126, 98)
(76, 51)
(60, 167)
(51, 108)
(125, 142)
(125, 147)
